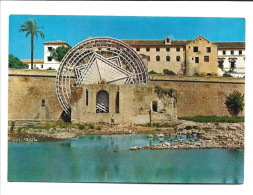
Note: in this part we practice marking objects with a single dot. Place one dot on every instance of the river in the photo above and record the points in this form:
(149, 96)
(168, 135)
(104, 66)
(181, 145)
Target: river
(107, 158)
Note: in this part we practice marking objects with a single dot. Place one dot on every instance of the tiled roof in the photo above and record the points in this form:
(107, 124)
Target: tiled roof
(220, 45)
(57, 42)
(154, 42)
(34, 61)
(223, 45)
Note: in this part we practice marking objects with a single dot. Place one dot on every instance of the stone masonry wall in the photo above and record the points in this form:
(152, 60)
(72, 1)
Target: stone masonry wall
(200, 95)
(26, 89)
(195, 95)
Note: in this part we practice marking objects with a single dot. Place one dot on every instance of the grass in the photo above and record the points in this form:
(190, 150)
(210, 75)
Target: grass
(227, 119)
(61, 125)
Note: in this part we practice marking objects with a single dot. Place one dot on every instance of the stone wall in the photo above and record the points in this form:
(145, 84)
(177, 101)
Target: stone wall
(27, 89)
(200, 95)
(195, 95)
(135, 104)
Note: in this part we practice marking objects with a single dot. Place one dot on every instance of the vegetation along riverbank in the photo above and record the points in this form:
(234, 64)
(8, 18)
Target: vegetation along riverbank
(208, 134)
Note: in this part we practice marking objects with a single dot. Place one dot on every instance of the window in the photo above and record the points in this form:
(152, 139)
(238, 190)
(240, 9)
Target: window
(167, 49)
(43, 102)
(147, 49)
(148, 58)
(49, 58)
(195, 49)
(41, 65)
(224, 52)
(167, 58)
(178, 49)
(87, 97)
(208, 49)
(157, 58)
(117, 102)
(209, 74)
(232, 65)
(178, 58)
(49, 48)
(99, 48)
(189, 47)
(196, 59)
(232, 52)
(220, 64)
(240, 52)
(206, 58)
(157, 49)
(137, 49)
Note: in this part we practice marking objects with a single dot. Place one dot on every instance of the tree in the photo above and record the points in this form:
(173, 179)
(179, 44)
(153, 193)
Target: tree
(58, 53)
(30, 27)
(14, 62)
(235, 102)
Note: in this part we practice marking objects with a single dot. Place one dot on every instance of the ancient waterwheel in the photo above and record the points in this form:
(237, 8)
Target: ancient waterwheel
(98, 60)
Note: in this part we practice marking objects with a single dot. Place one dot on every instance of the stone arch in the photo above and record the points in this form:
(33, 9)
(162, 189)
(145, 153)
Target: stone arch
(102, 102)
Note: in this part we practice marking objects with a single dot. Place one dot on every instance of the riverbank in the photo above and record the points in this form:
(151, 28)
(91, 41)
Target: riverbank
(210, 135)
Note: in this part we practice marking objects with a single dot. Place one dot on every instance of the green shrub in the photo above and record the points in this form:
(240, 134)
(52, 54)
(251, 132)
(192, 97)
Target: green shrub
(91, 126)
(81, 127)
(196, 74)
(152, 72)
(227, 75)
(168, 72)
(98, 128)
(235, 102)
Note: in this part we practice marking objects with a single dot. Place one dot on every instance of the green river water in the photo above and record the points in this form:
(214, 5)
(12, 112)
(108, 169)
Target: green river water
(107, 158)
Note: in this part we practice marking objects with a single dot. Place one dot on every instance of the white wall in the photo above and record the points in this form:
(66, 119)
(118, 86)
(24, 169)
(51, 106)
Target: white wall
(239, 63)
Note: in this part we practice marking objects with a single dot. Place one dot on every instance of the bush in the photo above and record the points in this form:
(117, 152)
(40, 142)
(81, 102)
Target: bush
(81, 127)
(227, 75)
(235, 102)
(168, 72)
(91, 126)
(152, 72)
(196, 74)
(98, 128)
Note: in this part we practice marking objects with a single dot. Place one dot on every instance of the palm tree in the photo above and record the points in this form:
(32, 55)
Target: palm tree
(30, 27)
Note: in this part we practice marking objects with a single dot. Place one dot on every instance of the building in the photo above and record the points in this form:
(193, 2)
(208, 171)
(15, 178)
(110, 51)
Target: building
(162, 54)
(231, 58)
(37, 63)
(184, 57)
(48, 62)
(201, 57)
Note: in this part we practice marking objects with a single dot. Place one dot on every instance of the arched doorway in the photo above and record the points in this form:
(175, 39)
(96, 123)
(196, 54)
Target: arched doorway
(102, 102)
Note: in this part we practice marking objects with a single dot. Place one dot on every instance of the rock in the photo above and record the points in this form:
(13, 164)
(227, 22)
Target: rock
(150, 136)
(134, 148)
(166, 143)
(160, 135)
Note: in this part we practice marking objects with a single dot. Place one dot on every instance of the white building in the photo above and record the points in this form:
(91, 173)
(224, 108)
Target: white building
(48, 63)
(231, 57)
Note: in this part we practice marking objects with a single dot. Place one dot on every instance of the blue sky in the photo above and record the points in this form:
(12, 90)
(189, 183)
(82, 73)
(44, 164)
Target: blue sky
(74, 29)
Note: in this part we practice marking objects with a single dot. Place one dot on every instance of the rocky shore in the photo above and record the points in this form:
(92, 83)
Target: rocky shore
(210, 135)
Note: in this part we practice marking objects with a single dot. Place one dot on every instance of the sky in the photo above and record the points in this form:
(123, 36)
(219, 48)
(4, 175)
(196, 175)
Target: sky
(74, 29)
